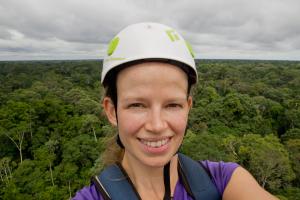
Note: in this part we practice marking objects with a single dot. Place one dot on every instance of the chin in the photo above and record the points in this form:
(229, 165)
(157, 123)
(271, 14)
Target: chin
(157, 161)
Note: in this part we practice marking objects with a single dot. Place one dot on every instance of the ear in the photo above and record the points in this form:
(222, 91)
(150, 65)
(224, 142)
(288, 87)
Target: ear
(110, 111)
(190, 102)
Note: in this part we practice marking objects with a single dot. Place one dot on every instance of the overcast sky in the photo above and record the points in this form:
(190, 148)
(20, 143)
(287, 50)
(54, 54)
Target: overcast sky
(220, 29)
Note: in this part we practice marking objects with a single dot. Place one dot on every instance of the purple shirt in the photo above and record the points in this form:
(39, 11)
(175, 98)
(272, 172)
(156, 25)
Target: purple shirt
(220, 171)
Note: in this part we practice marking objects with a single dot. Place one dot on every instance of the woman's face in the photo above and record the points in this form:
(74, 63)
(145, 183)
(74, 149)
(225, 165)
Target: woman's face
(152, 111)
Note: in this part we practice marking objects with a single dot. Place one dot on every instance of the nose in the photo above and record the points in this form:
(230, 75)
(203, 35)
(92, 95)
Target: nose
(155, 121)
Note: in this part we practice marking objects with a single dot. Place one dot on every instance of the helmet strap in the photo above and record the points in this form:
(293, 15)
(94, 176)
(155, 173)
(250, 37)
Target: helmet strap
(119, 142)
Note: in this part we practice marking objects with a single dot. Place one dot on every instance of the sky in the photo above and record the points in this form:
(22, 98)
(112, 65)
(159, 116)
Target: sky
(216, 29)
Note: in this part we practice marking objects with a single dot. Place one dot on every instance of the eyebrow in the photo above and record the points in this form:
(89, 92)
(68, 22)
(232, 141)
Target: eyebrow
(134, 99)
(127, 99)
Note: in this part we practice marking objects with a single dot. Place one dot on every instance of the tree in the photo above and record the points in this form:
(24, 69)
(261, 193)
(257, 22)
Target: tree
(47, 154)
(5, 169)
(265, 157)
(204, 147)
(293, 133)
(293, 146)
(15, 122)
(91, 123)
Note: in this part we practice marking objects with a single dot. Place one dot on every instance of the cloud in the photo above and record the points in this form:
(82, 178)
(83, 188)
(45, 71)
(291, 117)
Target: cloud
(72, 29)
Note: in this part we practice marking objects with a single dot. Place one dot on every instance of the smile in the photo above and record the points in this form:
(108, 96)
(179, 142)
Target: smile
(155, 144)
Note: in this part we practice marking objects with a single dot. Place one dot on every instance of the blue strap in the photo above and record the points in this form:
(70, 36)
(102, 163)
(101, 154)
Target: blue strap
(115, 182)
(196, 180)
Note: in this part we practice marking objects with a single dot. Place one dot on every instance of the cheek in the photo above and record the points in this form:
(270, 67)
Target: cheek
(178, 123)
(129, 124)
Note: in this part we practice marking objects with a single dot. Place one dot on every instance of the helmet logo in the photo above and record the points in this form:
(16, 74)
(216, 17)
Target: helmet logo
(112, 46)
(172, 35)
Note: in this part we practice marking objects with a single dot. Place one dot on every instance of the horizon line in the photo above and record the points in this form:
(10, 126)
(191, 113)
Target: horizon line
(101, 59)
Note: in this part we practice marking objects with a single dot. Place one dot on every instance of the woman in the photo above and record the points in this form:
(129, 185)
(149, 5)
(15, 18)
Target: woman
(147, 75)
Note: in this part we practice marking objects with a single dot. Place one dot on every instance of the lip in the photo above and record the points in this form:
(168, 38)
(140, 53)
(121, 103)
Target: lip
(155, 150)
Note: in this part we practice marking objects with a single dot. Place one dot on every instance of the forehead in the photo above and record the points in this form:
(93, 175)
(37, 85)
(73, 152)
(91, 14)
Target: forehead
(151, 73)
(153, 68)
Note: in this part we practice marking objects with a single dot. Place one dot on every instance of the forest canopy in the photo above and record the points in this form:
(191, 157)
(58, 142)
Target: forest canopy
(53, 130)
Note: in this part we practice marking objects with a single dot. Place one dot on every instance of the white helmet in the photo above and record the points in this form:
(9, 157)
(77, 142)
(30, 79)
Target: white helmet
(149, 41)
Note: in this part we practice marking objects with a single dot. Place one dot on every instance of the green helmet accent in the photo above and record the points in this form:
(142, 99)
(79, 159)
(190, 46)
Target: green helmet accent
(172, 35)
(112, 46)
(189, 46)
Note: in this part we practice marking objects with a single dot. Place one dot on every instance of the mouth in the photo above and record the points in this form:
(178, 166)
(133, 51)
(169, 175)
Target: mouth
(155, 143)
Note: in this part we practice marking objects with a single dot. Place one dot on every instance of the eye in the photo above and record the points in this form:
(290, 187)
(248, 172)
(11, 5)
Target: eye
(136, 105)
(174, 105)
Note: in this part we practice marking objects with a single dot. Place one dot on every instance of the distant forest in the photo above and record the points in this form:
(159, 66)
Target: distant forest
(53, 130)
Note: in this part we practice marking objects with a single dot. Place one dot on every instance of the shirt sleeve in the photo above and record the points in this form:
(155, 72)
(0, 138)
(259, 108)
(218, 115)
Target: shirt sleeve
(88, 193)
(220, 172)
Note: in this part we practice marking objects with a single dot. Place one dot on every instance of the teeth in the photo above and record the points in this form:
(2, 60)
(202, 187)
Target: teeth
(155, 144)
(159, 143)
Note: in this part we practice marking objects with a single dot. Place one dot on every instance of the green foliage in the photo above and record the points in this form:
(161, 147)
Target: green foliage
(52, 129)
(291, 134)
(289, 193)
(265, 157)
(204, 147)
(293, 146)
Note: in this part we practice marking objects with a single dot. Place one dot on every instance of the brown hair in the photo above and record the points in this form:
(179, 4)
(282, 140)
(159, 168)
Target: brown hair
(113, 152)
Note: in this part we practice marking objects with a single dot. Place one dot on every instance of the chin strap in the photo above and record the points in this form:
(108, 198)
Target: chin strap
(119, 142)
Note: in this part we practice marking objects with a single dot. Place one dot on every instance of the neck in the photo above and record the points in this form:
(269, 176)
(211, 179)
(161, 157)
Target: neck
(148, 179)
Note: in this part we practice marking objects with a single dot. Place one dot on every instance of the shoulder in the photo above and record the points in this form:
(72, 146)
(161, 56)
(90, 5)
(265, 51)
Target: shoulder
(220, 172)
(88, 193)
(243, 186)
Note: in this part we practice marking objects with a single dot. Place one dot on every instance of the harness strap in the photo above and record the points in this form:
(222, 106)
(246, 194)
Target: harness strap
(100, 188)
(129, 180)
(167, 182)
(196, 180)
(114, 183)
(117, 184)
(184, 180)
